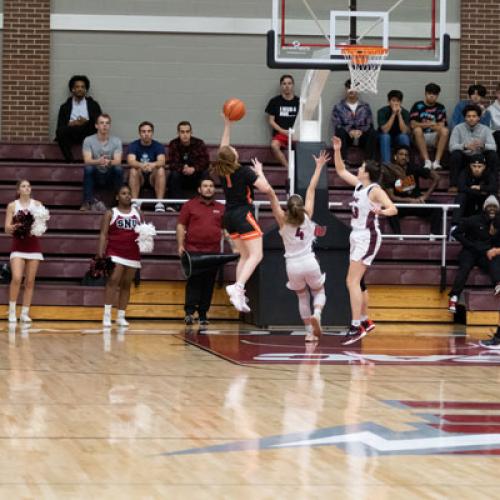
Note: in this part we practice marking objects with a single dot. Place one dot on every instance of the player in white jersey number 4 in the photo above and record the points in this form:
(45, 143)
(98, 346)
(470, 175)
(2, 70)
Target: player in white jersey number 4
(368, 202)
(298, 232)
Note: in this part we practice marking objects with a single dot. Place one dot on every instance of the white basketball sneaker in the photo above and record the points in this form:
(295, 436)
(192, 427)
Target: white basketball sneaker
(316, 323)
(121, 321)
(106, 321)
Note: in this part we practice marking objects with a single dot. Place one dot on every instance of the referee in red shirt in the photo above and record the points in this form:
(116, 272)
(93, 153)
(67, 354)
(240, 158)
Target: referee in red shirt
(199, 230)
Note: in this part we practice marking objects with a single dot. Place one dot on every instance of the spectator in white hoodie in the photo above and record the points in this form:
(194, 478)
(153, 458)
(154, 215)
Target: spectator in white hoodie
(494, 111)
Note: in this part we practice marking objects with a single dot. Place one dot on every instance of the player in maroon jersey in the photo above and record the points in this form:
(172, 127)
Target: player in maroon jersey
(26, 252)
(117, 240)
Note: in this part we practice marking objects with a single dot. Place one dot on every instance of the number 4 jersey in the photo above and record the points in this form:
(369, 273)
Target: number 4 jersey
(298, 240)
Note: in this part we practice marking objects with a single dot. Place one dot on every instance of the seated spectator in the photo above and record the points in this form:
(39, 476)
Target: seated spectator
(102, 155)
(467, 139)
(475, 184)
(77, 116)
(146, 159)
(282, 110)
(400, 180)
(428, 122)
(394, 125)
(352, 122)
(480, 238)
(476, 93)
(187, 160)
(494, 117)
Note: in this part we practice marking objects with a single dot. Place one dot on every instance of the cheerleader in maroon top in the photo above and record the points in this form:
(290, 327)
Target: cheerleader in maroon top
(117, 240)
(25, 255)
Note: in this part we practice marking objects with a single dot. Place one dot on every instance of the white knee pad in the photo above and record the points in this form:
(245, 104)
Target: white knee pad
(304, 304)
(319, 297)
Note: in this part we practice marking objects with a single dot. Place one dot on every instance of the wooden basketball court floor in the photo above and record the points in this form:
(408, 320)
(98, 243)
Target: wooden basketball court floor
(230, 412)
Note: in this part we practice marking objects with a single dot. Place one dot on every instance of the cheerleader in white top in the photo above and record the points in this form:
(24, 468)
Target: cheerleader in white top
(368, 202)
(26, 251)
(117, 240)
(298, 232)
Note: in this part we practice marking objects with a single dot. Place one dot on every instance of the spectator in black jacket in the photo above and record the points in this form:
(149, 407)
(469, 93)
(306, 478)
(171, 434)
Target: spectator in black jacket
(475, 184)
(480, 238)
(77, 116)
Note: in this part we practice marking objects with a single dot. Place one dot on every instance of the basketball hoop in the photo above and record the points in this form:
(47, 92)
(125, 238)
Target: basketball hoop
(364, 64)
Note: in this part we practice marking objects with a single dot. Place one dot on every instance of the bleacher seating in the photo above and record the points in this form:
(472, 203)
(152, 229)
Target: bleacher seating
(72, 237)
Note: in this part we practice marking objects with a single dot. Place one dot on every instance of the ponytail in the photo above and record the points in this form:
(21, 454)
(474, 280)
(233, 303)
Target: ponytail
(296, 211)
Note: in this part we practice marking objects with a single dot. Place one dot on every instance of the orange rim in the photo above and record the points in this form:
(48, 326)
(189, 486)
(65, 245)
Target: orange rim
(360, 54)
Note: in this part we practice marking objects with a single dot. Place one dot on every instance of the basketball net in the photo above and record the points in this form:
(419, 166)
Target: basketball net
(364, 64)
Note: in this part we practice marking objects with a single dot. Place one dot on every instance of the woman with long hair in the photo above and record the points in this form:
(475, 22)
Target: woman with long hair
(369, 201)
(26, 252)
(238, 182)
(117, 240)
(298, 232)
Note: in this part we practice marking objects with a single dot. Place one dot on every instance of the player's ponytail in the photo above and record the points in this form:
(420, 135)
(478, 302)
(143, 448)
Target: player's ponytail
(296, 211)
(227, 161)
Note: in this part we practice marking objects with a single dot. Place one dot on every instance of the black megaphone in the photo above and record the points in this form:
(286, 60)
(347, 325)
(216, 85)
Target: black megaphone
(193, 264)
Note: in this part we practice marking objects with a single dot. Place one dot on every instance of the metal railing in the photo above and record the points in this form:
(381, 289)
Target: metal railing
(445, 207)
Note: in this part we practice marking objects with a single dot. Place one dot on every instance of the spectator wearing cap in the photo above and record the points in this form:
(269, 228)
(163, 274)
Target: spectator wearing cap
(467, 139)
(480, 239)
(477, 94)
(352, 121)
(475, 183)
(394, 125)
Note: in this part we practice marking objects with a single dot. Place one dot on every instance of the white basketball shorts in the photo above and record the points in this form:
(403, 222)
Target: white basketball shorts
(304, 271)
(364, 246)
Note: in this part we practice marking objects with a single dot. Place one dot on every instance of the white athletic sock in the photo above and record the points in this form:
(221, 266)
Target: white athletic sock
(121, 313)
(12, 308)
(308, 328)
(107, 309)
(356, 322)
(364, 317)
(240, 285)
(25, 310)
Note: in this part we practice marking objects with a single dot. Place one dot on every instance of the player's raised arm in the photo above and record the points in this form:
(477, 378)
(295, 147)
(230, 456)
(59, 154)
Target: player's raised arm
(321, 161)
(340, 165)
(380, 197)
(226, 133)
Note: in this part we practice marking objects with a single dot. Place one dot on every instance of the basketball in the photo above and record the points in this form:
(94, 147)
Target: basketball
(234, 109)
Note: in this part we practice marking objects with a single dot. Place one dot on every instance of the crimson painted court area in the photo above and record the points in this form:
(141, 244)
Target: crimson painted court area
(258, 347)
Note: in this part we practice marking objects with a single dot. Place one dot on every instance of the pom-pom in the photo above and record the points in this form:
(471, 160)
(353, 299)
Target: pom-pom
(23, 222)
(146, 231)
(101, 267)
(41, 216)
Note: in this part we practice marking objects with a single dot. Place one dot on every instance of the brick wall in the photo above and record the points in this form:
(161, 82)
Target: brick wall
(480, 44)
(25, 70)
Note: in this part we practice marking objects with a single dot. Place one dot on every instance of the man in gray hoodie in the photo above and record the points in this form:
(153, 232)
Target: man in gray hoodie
(467, 139)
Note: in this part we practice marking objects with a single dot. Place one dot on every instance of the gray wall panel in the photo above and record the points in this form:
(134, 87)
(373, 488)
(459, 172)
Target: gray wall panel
(166, 78)
(225, 8)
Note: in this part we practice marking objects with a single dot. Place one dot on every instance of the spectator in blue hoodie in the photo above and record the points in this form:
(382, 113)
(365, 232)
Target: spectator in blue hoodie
(477, 93)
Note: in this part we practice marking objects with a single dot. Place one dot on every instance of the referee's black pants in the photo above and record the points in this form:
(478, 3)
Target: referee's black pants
(199, 290)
